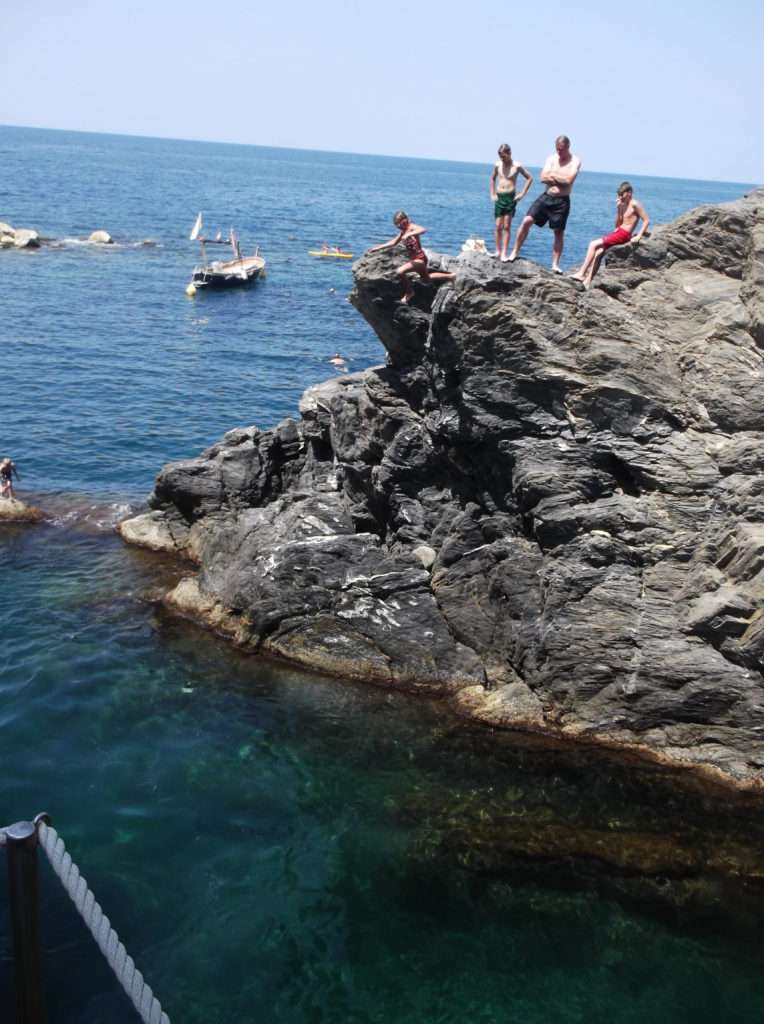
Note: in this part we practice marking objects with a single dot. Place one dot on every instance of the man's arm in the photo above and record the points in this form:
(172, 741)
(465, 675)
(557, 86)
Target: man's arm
(546, 175)
(639, 208)
(492, 185)
(561, 177)
(528, 182)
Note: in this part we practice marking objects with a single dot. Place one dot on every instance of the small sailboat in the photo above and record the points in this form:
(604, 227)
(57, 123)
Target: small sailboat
(240, 270)
(196, 235)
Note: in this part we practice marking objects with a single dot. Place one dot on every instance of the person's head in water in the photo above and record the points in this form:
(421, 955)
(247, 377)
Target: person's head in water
(625, 189)
(505, 151)
(562, 145)
(400, 219)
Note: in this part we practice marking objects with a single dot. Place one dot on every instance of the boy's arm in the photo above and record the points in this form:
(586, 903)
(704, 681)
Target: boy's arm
(645, 220)
(492, 185)
(528, 182)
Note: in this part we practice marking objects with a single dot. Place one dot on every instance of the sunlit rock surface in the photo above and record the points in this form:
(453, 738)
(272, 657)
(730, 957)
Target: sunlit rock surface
(12, 510)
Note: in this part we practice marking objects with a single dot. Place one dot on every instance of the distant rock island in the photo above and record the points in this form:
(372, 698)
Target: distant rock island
(28, 238)
(547, 508)
(18, 238)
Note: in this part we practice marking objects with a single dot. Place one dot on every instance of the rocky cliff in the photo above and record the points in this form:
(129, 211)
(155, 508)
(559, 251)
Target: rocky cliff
(548, 507)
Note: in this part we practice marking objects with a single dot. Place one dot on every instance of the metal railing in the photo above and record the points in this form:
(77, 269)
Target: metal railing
(21, 841)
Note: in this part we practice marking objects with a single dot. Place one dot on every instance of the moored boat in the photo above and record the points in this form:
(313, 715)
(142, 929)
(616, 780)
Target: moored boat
(228, 273)
(233, 273)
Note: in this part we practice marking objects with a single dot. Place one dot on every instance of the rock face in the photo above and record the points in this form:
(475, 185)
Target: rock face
(547, 507)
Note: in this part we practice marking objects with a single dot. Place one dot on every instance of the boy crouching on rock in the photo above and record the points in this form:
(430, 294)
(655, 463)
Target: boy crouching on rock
(628, 212)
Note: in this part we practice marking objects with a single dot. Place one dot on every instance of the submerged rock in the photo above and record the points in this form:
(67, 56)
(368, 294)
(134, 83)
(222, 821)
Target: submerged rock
(548, 505)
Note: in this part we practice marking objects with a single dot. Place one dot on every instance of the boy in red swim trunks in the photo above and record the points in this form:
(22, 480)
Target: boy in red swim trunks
(628, 212)
(409, 234)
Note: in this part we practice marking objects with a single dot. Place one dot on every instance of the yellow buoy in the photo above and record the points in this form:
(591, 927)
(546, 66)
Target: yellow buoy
(190, 291)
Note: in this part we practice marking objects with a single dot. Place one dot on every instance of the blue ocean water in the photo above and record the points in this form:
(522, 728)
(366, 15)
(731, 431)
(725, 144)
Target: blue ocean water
(269, 842)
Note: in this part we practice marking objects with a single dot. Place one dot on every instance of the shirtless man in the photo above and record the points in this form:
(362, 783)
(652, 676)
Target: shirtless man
(502, 189)
(628, 212)
(560, 171)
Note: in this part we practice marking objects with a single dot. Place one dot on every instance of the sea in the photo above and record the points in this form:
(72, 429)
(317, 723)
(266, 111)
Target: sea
(272, 844)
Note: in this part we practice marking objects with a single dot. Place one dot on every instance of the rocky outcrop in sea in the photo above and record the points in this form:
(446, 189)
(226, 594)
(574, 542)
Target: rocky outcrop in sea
(18, 238)
(12, 510)
(547, 508)
(28, 238)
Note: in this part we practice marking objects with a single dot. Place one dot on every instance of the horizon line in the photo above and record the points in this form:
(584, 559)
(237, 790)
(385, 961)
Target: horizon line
(349, 152)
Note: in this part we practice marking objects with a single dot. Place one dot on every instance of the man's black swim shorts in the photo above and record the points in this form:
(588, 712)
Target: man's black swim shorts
(552, 209)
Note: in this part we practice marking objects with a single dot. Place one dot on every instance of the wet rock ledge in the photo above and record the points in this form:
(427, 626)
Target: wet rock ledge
(547, 508)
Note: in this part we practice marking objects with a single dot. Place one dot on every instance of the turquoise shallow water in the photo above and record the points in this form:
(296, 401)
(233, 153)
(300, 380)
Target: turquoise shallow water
(271, 843)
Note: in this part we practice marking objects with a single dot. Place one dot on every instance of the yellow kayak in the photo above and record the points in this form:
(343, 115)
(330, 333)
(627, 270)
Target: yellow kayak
(338, 255)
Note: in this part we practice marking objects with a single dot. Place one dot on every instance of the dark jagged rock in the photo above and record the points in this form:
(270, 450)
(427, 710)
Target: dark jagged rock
(548, 505)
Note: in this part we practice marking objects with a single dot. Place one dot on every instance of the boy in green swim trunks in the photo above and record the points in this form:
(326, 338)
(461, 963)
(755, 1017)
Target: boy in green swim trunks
(504, 197)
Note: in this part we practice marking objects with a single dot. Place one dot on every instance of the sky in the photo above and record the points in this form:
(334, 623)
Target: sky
(661, 88)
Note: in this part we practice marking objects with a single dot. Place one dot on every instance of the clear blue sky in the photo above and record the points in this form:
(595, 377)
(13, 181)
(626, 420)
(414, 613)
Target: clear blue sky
(652, 87)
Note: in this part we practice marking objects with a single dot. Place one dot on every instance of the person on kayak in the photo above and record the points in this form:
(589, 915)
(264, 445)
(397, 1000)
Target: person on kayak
(409, 235)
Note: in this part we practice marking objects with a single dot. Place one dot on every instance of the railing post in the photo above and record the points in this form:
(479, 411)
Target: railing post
(21, 848)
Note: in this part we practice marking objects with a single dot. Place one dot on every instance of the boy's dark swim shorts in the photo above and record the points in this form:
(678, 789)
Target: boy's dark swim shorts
(505, 204)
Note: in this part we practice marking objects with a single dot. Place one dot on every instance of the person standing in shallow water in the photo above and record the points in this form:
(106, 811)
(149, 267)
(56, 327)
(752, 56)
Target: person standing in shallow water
(553, 207)
(628, 213)
(7, 472)
(409, 234)
(503, 193)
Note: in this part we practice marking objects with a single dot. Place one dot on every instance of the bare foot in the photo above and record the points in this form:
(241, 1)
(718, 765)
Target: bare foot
(512, 257)
(577, 277)
(505, 258)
